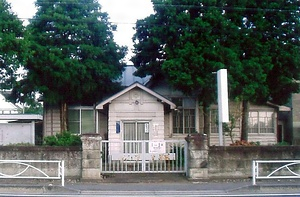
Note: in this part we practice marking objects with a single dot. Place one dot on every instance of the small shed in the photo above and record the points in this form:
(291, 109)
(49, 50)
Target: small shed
(16, 127)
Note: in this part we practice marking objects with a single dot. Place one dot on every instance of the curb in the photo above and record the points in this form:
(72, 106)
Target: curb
(36, 189)
(286, 188)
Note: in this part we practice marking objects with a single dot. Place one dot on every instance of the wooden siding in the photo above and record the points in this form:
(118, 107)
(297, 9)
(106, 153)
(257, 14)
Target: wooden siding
(236, 109)
(102, 126)
(135, 105)
(52, 123)
(263, 139)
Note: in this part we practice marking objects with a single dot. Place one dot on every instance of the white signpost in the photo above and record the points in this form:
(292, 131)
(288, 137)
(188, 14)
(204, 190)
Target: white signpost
(223, 112)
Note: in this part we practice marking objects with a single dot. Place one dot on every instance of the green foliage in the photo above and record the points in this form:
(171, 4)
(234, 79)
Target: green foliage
(229, 127)
(73, 57)
(12, 46)
(256, 41)
(179, 155)
(34, 108)
(63, 139)
(283, 143)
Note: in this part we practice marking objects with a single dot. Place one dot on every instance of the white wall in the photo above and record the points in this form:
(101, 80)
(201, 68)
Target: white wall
(14, 133)
(135, 105)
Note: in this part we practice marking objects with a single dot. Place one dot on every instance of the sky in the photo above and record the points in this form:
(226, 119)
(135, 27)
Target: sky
(123, 13)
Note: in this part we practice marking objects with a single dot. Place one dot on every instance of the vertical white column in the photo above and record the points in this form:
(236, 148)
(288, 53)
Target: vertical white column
(223, 112)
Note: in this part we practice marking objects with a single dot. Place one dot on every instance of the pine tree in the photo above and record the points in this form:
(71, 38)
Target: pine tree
(12, 46)
(73, 57)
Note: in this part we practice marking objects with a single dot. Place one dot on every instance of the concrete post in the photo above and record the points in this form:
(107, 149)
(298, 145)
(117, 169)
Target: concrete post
(91, 156)
(197, 156)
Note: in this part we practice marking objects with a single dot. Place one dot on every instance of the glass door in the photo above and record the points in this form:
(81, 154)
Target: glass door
(134, 135)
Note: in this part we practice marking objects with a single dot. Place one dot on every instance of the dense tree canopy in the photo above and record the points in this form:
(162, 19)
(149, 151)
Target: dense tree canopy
(265, 44)
(12, 46)
(181, 43)
(73, 57)
(185, 41)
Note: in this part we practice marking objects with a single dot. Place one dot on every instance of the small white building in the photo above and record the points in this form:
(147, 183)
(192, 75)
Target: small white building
(135, 113)
(15, 127)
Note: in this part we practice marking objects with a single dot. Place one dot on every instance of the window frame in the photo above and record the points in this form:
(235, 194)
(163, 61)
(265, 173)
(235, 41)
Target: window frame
(259, 119)
(81, 109)
(136, 128)
(184, 118)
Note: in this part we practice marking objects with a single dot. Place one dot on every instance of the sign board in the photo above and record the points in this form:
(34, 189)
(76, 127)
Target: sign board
(157, 147)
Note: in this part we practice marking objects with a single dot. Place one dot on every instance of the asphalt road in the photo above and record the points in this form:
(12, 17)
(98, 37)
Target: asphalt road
(152, 185)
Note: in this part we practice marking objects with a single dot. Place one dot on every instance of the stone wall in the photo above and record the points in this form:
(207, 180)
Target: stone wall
(91, 156)
(80, 162)
(234, 161)
(197, 156)
(71, 156)
(203, 161)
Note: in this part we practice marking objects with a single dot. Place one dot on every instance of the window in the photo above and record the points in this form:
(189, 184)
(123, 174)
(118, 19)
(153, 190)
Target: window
(184, 116)
(134, 133)
(81, 120)
(261, 122)
(234, 118)
(136, 130)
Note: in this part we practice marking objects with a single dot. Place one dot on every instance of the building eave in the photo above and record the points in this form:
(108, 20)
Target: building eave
(33, 117)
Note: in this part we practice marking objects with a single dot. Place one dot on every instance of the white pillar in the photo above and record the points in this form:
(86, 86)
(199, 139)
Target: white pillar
(223, 112)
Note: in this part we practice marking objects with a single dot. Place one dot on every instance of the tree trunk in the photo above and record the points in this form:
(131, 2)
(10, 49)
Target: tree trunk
(245, 118)
(63, 117)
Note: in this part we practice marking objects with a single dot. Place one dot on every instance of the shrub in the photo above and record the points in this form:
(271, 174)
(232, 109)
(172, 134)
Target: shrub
(244, 143)
(283, 143)
(63, 139)
(179, 155)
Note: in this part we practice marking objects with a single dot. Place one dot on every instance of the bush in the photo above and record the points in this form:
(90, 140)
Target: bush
(63, 139)
(179, 155)
(283, 143)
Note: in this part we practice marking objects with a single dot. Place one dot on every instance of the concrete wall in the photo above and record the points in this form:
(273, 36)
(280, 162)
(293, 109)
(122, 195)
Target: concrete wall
(80, 162)
(71, 155)
(231, 161)
(236, 161)
(203, 161)
(14, 133)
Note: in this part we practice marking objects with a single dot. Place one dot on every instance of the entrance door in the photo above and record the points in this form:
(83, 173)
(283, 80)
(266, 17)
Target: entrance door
(134, 134)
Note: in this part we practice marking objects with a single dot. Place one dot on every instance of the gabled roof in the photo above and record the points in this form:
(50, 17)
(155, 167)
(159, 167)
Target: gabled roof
(7, 107)
(134, 85)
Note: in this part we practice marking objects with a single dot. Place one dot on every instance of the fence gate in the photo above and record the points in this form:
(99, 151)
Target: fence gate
(144, 156)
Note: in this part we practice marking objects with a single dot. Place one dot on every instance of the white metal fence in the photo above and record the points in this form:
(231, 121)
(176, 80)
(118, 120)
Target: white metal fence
(275, 169)
(144, 156)
(32, 169)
